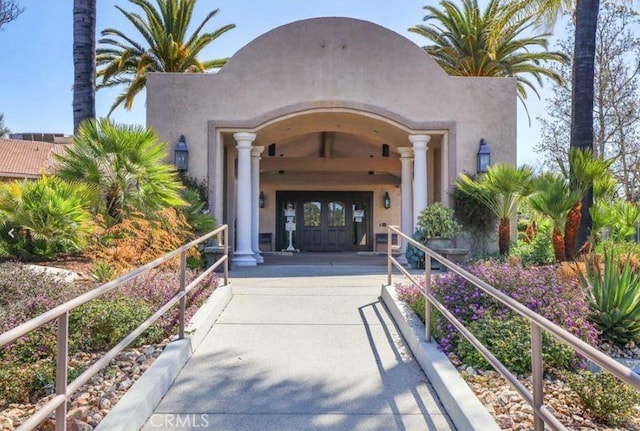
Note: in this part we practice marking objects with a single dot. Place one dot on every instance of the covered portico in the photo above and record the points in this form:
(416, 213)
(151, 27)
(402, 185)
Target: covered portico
(326, 131)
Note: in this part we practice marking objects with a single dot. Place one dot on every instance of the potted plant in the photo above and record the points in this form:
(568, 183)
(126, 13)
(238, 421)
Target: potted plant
(436, 228)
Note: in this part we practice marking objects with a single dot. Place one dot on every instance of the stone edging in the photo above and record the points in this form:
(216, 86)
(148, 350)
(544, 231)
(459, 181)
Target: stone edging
(135, 407)
(463, 407)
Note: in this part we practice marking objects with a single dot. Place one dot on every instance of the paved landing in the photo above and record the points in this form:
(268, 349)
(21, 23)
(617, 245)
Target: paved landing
(315, 352)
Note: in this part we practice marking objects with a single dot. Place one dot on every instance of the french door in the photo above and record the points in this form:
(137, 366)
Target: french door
(325, 221)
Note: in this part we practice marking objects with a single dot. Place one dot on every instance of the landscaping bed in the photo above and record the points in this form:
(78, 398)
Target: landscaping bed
(27, 367)
(580, 399)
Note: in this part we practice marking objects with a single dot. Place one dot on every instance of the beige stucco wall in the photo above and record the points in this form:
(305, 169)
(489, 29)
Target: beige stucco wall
(325, 64)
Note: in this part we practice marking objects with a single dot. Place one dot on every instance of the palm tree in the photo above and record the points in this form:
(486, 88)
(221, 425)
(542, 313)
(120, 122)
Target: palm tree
(166, 47)
(584, 169)
(84, 61)
(49, 215)
(125, 165)
(585, 13)
(553, 198)
(500, 189)
(462, 43)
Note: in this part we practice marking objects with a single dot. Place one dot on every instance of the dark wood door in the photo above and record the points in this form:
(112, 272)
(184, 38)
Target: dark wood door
(327, 221)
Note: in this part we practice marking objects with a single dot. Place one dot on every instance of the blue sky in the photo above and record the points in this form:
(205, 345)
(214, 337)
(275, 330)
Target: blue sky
(36, 66)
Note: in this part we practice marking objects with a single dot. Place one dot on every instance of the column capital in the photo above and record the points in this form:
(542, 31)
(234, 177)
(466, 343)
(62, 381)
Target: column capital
(244, 139)
(419, 142)
(256, 151)
(405, 152)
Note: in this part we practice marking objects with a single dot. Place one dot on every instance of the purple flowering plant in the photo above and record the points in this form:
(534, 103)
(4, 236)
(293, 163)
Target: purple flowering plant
(540, 288)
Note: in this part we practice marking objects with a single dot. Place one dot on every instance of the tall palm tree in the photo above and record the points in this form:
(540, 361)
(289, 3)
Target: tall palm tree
(585, 13)
(166, 47)
(84, 61)
(469, 42)
(125, 164)
(553, 198)
(502, 188)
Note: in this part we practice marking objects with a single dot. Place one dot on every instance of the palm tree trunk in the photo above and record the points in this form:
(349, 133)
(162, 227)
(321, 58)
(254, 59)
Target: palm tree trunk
(586, 16)
(571, 230)
(558, 245)
(84, 61)
(504, 236)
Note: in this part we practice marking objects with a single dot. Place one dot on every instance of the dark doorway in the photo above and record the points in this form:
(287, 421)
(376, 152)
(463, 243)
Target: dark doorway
(326, 221)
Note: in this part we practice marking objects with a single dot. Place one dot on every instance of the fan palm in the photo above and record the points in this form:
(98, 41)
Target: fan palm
(468, 42)
(125, 164)
(501, 189)
(166, 47)
(49, 215)
(553, 198)
(584, 169)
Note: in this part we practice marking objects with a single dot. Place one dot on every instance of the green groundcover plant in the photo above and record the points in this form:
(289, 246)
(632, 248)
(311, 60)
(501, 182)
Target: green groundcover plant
(27, 366)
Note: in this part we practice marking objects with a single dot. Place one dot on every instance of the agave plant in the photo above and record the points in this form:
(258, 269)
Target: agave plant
(614, 298)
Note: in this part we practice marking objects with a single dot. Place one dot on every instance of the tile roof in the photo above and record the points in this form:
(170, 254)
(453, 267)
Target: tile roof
(27, 159)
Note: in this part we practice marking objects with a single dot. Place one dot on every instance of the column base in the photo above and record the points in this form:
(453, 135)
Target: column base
(402, 259)
(259, 258)
(244, 259)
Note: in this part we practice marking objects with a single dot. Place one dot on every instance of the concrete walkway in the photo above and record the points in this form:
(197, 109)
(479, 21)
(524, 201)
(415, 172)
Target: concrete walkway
(302, 348)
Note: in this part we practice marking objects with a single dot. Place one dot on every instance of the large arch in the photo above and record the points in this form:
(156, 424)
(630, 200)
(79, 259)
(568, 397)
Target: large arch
(339, 98)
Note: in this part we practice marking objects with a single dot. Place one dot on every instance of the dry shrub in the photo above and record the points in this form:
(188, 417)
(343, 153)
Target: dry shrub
(569, 270)
(139, 239)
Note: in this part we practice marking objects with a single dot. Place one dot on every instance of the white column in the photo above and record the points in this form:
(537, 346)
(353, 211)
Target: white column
(243, 255)
(255, 198)
(419, 145)
(406, 187)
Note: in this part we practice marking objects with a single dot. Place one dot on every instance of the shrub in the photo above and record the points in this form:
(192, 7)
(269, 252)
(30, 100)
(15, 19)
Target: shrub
(415, 256)
(541, 289)
(436, 220)
(25, 383)
(100, 324)
(508, 338)
(156, 287)
(195, 212)
(474, 216)
(539, 251)
(138, 240)
(614, 298)
(606, 398)
(44, 217)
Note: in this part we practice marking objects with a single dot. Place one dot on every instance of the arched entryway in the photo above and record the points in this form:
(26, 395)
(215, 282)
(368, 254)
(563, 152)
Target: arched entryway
(331, 178)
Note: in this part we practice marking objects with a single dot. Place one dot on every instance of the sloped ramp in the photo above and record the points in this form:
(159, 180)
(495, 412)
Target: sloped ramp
(302, 353)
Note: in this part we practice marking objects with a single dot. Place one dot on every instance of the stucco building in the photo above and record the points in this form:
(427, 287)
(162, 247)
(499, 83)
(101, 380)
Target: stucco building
(333, 119)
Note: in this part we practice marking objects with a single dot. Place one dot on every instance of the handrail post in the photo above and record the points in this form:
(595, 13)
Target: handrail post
(389, 236)
(427, 294)
(61, 369)
(226, 253)
(183, 299)
(537, 375)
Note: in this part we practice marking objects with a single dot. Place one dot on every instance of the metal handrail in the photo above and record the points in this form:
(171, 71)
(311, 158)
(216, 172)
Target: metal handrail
(61, 313)
(538, 323)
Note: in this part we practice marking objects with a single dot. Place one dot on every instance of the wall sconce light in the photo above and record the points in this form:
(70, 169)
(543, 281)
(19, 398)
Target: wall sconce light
(181, 156)
(484, 156)
(386, 200)
(261, 199)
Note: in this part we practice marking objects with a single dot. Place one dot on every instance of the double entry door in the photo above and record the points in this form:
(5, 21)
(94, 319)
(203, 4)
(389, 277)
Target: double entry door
(324, 221)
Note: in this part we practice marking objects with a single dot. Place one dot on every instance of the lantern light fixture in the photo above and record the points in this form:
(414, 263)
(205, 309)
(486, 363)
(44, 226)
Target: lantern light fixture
(181, 156)
(484, 157)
